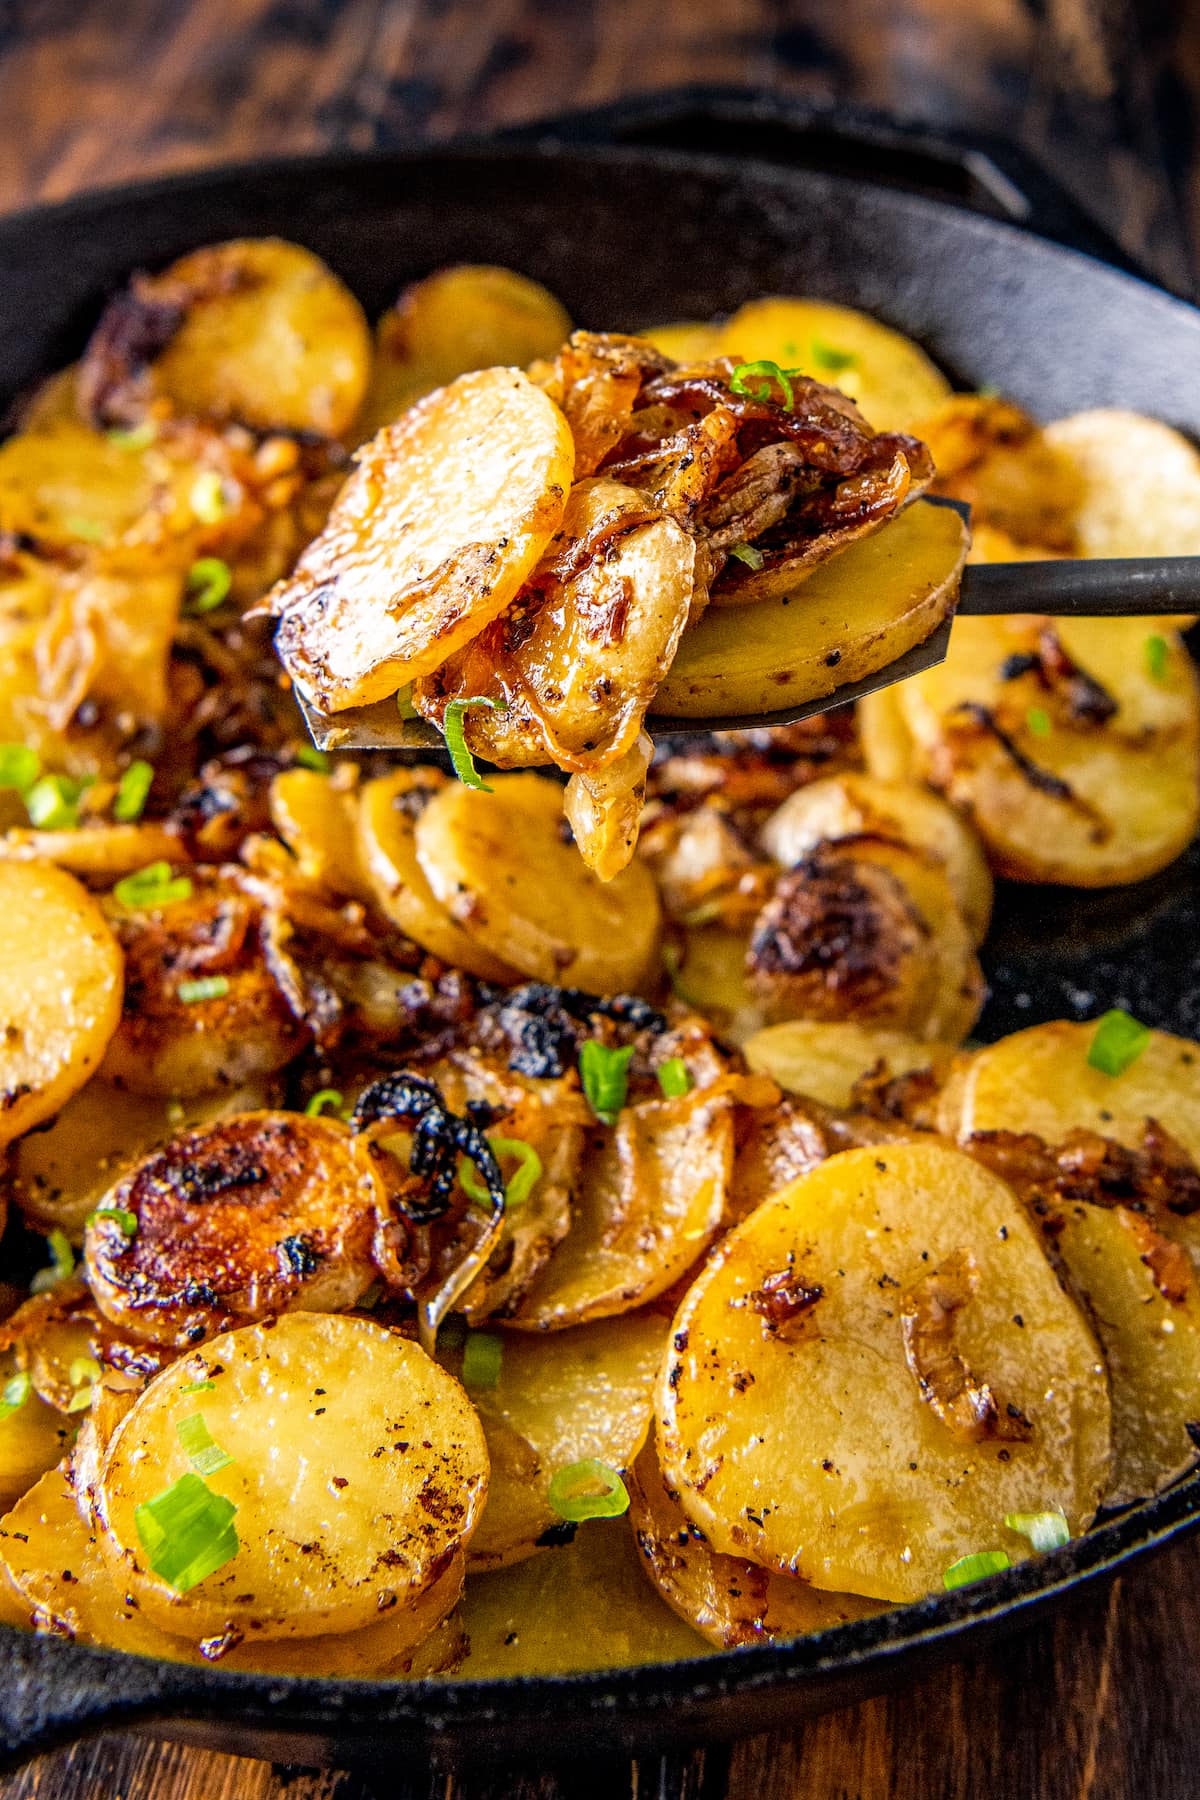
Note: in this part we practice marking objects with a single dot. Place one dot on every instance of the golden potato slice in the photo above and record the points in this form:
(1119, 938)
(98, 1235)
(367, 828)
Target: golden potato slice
(710, 975)
(388, 810)
(316, 815)
(1060, 793)
(269, 336)
(33, 1438)
(469, 316)
(302, 1406)
(60, 992)
(652, 1197)
(886, 741)
(604, 810)
(824, 1059)
(892, 380)
(1021, 489)
(1140, 482)
(585, 1605)
(727, 1600)
(61, 1173)
(565, 925)
(877, 1367)
(430, 539)
(852, 616)
(842, 806)
(101, 851)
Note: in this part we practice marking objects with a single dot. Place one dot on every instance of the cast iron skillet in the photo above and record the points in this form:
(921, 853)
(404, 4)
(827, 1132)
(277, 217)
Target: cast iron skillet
(628, 236)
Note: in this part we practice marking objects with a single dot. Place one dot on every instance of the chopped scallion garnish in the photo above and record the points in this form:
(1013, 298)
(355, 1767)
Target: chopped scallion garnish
(133, 790)
(456, 741)
(605, 1077)
(1045, 1530)
(207, 498)
(673, 1078)
(1157, 655)
(758, 380)
(53, 802)
(62, 1266)
(140, 437)
(482, 1356)
(85, 1372)
(309, 757)
(187, 1532)
(976, 1567)
(519, 1185)
(198, 1387)
(404, 702)
(115, 1215)
(208, 583)
(749, 554)
(90, 530)
(587, 1490)
(1038, 721)
(152, 886)
(19, 766)
(1119, 1041)
(829, 358)
(14, 1394)
(205, 1455)
(205, 987)
(324, 1100)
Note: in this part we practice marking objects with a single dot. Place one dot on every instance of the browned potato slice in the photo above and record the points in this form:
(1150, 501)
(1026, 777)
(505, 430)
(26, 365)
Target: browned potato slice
(317, 817)
(101, 851)
(503, 868)
(61, 1173)
(886, 741)
(269, 336)
(843, 806)
(710, 976)
(727, 1600)
(853, 614)
(604, 810)
(430, 539)
(239, 1219)
(469, 316)
(388, 810)
(60, 992)
(585, 1605)
(915, 1374)
(33, 1439)
(1140, 484)
(1021, 490)
(823, 1059)
(652, 1198)
(388, 1524)
(892, 380)
(1058, 794)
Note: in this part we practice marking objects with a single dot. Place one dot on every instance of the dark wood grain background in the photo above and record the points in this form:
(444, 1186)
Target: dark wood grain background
(1104, 1704)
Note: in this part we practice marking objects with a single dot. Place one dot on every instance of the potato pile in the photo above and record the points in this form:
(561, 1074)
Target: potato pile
(429, 1252)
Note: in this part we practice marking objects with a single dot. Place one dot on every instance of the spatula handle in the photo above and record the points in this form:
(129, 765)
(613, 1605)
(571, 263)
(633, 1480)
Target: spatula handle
(1112, 588)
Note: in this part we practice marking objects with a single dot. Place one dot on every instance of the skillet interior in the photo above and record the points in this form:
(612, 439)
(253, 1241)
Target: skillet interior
(627, 237)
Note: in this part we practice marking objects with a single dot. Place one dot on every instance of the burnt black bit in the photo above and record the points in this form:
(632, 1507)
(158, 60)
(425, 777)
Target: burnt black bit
(1088, 701)
(1022, 662)
(543, 1024)
(1037, 777)
(555, 1536)
(199, 1293)
(187, 1179)
(135, 327)
(439, 1138)
(298, 1256)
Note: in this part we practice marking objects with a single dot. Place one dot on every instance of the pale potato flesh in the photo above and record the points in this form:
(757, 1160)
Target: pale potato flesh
(823, 1059)
(61, 981)
(828, 1463)
(1140, 484)
(389, 1531)
(432, 537)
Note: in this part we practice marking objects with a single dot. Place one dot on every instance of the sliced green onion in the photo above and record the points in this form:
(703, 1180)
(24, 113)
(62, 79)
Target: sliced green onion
(519, 1185)
(208, 583)
(404, 702)
(588, 1490)
(205, 1455)
(207, 498)
(152, 886)
(187, 1532)
(456, 740)
(117, 1215)
(673, 1078)
(605, 1077)
(325, 1099)
(198, 1387)
(482, 1356)
(133, 790)
(62, 1267)
(309, 757)
(205, 987)
(1045, 1530)
(1119, 1041)
(828, 357)
(748, 554)
(139, 438)
(53, 802)
(1157, 655)
(90, 530)
(19, 766)
(975, 1568)
(1038, 721)
(85, 1372)
(14, 1394)
(740, 381)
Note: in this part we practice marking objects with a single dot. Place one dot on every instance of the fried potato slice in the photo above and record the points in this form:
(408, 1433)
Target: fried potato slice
(1077, 761)
(711, 976)
(1017, 482)
(727, 1600)
(685, 340)
(1140, 484)
(430, 539)
(584, 1605)
(887, 744)
(100, 850)
(891, 378)
(388, 1524)
(843, 806)
(652, 1197)
(825, 1059)
(388, 810)
(61, 980)
(239, 1219)
(33, 1439)
(881, 1277)
(850, 617)
(316, 815)
(564, 926)
(577, 670)
(469, 316)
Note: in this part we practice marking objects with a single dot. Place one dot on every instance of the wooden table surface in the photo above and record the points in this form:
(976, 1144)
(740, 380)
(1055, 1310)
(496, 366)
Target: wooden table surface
(1104, 1703)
